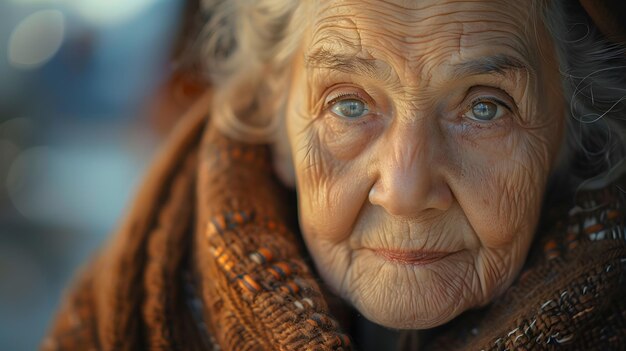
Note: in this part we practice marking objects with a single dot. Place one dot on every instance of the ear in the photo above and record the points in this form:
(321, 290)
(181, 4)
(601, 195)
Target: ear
(282, 156)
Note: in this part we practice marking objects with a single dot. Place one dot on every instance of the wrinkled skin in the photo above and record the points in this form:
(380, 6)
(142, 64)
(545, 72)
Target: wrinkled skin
(413, 209)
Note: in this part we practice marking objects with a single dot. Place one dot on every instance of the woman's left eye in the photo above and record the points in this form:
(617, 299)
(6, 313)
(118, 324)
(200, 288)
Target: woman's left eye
(350, 108)
(485, 110)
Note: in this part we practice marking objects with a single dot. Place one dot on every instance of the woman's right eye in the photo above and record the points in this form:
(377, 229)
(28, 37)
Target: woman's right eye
(349, 108)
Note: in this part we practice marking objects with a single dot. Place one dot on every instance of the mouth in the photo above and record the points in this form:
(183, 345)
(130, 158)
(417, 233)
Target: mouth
(414, 258)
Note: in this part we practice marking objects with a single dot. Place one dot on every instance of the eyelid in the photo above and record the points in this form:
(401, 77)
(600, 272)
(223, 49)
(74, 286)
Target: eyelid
(340, 97)
(482, 93)
(343, 92)
(489, 99)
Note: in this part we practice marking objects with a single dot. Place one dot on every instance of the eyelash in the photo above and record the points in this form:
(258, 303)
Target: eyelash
(489, 99)
(493, 125)
(343, 95)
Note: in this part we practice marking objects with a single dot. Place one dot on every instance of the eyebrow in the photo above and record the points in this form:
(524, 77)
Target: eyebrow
(347, 63)
(500, 64)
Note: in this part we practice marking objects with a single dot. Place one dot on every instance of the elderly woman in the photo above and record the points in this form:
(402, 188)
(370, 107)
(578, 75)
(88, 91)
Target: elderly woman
(455, 164)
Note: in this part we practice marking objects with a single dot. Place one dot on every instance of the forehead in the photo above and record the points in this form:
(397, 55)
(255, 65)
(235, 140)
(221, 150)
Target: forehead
(413, 33)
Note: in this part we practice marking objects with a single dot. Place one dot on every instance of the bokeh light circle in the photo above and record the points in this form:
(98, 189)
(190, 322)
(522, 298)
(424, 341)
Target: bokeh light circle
(36, 39)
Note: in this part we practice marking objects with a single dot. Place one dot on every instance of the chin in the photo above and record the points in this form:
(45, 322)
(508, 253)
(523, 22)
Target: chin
(401, 297)
(396, 314)
(400, 319)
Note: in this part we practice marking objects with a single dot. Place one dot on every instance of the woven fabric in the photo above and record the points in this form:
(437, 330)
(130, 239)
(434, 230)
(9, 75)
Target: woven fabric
(207, 260)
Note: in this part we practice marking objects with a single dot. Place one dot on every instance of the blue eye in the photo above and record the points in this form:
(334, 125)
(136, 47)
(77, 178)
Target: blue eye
(349, 108)
(484, 111)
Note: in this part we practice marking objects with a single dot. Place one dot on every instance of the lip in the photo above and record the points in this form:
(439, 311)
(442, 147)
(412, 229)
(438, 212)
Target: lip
(414, 258)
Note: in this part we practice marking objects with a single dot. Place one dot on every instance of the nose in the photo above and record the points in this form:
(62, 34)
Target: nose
(409, 178)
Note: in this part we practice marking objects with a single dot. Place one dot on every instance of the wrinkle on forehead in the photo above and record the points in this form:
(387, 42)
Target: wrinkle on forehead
(341, 32)
(409, 32)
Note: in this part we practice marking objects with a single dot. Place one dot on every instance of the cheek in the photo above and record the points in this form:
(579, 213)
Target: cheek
(331, 190)
(331, 167)
(501, 187)
(330, 201)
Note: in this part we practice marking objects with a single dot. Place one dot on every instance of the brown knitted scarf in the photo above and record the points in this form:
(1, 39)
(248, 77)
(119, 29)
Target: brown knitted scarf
(206, 260)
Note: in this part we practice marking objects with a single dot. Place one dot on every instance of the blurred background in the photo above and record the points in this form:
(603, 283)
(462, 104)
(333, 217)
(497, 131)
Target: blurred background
(88, 90)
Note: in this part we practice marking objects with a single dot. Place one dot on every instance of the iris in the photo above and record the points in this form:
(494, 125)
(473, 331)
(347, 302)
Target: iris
(484, 111)
(350, 108)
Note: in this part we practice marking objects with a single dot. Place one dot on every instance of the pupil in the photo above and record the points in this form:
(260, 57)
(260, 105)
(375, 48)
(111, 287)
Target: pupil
(484, 110)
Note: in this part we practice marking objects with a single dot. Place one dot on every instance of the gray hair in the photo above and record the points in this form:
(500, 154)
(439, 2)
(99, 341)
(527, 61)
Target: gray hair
(594, 84)
(243, 40)
(246, 47)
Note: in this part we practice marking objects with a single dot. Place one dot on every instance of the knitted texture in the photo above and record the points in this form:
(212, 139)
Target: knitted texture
(258, 293)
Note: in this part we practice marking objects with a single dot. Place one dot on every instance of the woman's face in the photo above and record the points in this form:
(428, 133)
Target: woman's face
(422, 134)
